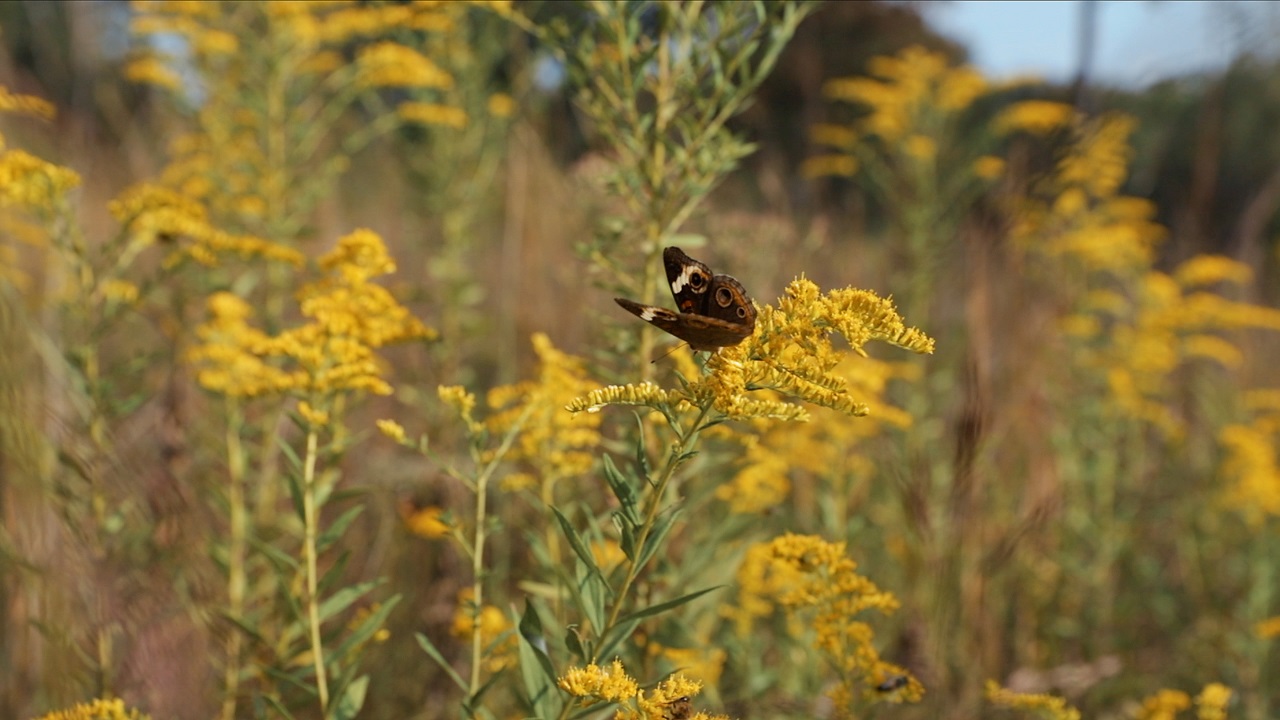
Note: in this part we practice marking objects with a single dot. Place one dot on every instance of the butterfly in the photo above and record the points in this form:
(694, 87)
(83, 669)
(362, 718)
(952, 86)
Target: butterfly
(715, 311)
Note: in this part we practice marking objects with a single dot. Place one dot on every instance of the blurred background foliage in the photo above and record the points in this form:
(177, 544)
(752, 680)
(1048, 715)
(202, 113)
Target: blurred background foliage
(1076, 494)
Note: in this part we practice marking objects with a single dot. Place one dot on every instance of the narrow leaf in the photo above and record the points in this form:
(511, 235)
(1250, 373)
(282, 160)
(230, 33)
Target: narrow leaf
(430, 649)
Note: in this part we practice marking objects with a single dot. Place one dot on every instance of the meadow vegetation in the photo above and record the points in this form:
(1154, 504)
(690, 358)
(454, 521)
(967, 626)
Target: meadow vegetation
(327, 412)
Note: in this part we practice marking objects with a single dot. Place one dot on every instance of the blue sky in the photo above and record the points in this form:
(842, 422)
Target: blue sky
(1139, 41)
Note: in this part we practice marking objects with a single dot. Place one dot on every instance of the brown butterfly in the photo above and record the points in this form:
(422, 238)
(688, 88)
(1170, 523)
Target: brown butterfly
(715, 311)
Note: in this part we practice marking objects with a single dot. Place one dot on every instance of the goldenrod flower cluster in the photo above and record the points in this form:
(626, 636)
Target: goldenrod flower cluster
(26, 181)
(791, 352)
(555, 444)
(1137, 341)
(595, 684)
(909, 98)
(154, 213)
(831, 449)
(1078, 212)
(1251, 461)
(101, 709)
(350, 315)
(801, 573)
(1046, 706)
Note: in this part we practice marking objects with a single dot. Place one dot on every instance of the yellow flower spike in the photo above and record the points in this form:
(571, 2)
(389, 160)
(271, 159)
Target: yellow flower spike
(17, 103)
(313, 416)
(1210, 269)
(393, 430)
(1268, 629)
(390, 64)
(1038, 117)
(102, 709)
(432, 114)
(1053, 708)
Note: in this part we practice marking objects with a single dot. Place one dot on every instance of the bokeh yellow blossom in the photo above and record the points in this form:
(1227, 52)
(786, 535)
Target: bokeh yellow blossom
(17, 103)
(428, 522)
(389, 64)
(1211, 703)
(30, 183)
(1269, 628)
(1038, 117)
(1164, 705)
(392, 429)
(554, 444)
(496, 633)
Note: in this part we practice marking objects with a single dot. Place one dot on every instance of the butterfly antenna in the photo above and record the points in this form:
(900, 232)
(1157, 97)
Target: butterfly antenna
(673, 349)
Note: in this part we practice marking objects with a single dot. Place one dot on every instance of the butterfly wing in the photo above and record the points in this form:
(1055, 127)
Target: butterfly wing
(700, 331)
(688, 279)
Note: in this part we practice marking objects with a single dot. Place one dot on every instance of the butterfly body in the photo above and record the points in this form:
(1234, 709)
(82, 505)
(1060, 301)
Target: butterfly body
(715, 311)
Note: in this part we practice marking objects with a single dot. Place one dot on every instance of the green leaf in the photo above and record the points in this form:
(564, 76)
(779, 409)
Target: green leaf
(430, 649)
(348, 703)
(574, 643)
(661, 529)
(295, 495)
(628, 539)
(279, 708)
(536, 671)
(295, 462)
(575, 542)
(342, 599)
(338, 527)
(621, 487)
(621, 631)
(642, 457)
(334, 573)
(668, 605)
(367, 627)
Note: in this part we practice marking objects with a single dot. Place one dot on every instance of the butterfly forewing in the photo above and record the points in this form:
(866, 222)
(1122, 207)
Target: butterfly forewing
(714, 309)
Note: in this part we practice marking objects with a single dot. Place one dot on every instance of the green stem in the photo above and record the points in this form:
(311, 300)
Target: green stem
(682, 447)
(237, 545)
(309, 553)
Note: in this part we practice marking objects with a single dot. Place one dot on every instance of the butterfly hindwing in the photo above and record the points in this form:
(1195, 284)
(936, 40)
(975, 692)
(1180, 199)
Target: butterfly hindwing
(714, 309)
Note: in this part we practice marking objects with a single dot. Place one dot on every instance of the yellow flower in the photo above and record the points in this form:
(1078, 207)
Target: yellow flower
(104, 709)
(610, 684)
(121, 291)
(1038, 117)
(988, 167)
(392, 429)
(823, 165)
(1210, 269)
(1211, 703)
(496, 632)
(433, 114)
(607, 554)
(1269, 628)
(501, 105)
(837, 136)
(554, 443)
(806, 574)
(227, 359)
(1164, 705)
(29, 182)
(313, 416)
(151, 70)
(1048, 706)
(389, 64)
(26, 105)
(427, 523)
